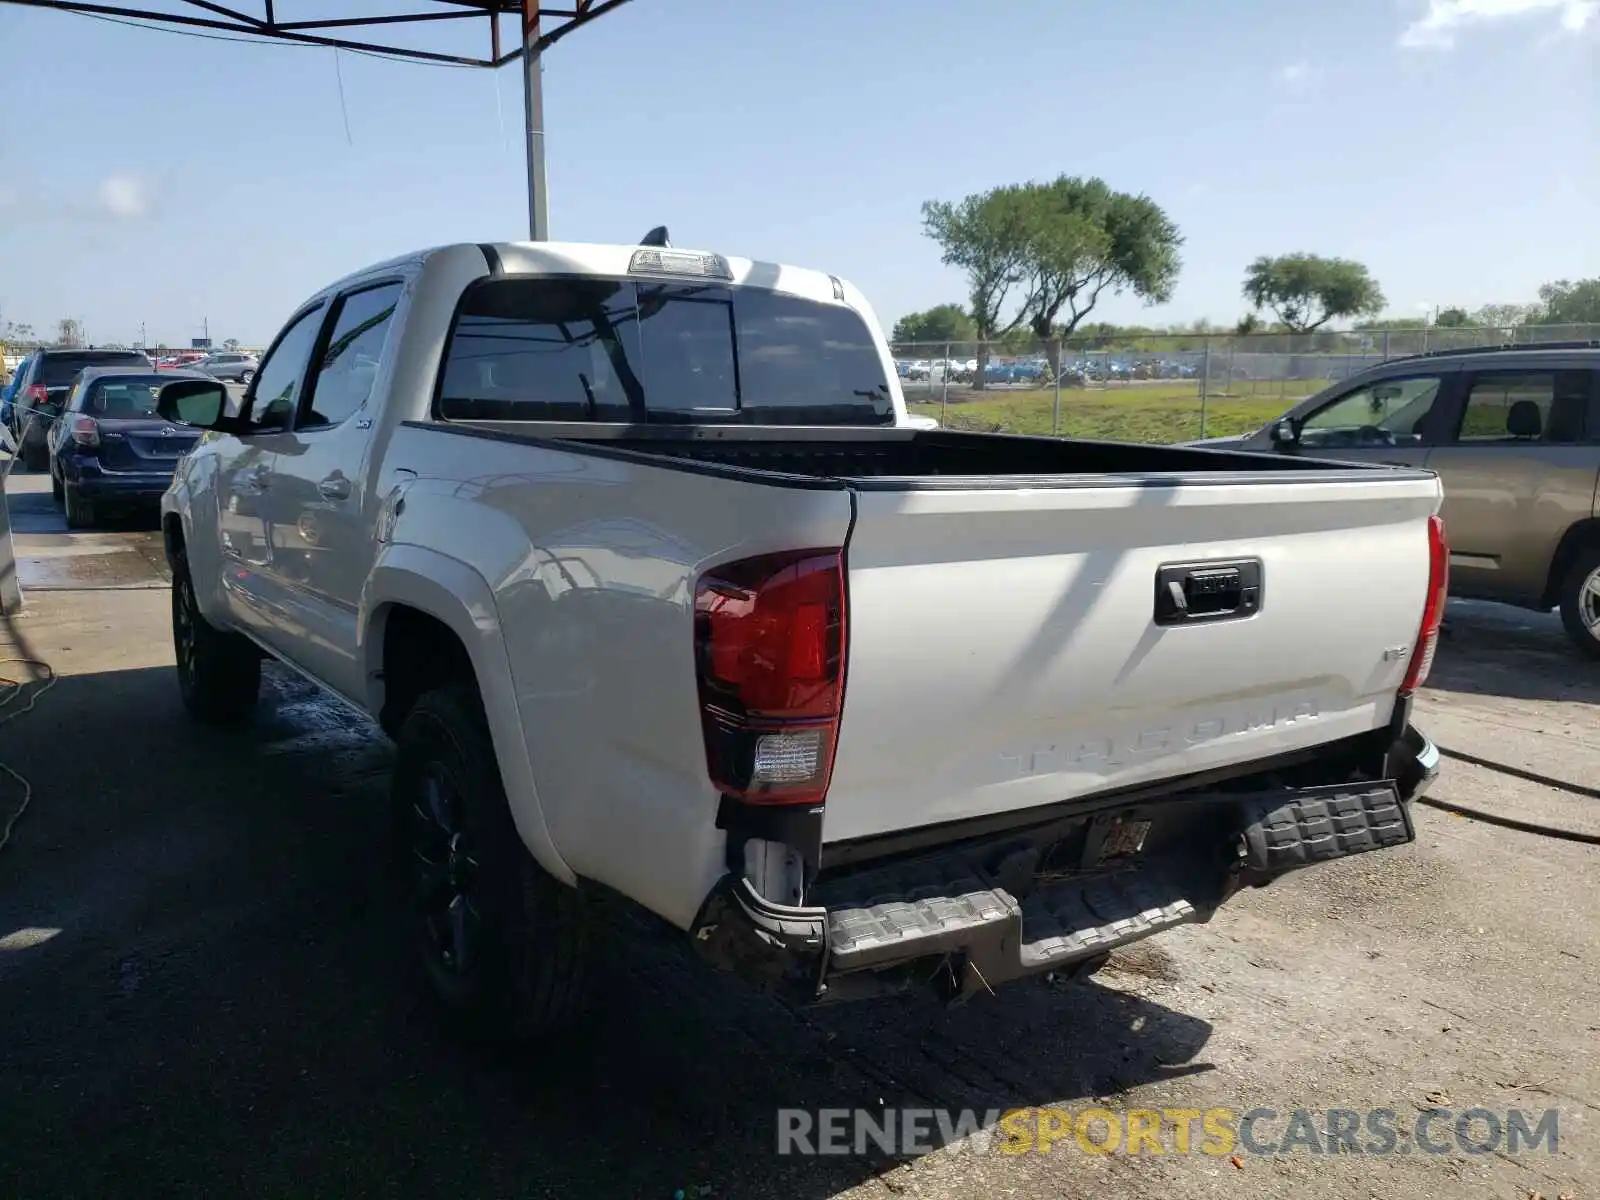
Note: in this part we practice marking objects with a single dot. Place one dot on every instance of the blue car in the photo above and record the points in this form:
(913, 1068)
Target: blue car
(8, 393)
(109, 448)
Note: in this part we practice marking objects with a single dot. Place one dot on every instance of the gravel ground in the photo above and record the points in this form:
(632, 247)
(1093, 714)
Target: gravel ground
(201, 990)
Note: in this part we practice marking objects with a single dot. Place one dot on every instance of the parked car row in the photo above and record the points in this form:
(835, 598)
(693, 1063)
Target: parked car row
(226, 364)
(88, 416)
(1036, 370)
(42, 388)
(110, 448)
(35, 397)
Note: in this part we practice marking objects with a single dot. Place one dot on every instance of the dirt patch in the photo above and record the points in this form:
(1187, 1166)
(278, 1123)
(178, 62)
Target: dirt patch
(1147, 959)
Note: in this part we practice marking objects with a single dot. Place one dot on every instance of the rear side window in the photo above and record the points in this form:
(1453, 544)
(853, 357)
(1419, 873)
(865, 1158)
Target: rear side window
(551, 349)
(349, 365)
(1526, 406)
(57, 370)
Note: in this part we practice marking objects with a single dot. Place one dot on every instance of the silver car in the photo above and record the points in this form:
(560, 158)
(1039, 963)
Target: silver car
(227, 365)
(1514, 435)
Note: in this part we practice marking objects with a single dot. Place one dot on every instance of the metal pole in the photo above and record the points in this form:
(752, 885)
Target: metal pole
(533, 109)
(1055, 416)
(10, 589)
(944, 389)
(1205, 386)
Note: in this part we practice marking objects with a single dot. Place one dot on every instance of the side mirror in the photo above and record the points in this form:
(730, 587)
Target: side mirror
(1284, 433)
(201, 403)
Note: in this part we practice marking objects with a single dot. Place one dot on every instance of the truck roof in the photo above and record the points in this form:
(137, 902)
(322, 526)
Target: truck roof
(616, 259)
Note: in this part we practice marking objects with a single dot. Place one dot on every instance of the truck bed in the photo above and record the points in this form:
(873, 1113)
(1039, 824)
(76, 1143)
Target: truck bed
(896, 457)
(1007, 645)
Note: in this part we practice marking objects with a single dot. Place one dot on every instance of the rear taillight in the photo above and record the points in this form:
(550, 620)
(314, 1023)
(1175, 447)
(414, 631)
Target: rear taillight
(769, 638)
(38, 394)
(85, 431)
(1432, 610)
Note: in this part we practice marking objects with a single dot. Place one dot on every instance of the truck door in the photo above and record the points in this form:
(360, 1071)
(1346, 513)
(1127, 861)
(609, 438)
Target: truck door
(317, 503)
(244, 474)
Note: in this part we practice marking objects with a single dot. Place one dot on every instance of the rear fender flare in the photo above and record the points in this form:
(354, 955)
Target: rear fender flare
(1578, 535)
(456, 595)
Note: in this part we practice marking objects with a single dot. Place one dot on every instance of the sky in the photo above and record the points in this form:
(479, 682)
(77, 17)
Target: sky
(164, 183)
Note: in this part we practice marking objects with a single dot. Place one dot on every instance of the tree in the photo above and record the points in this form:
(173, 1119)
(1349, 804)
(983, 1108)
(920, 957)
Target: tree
(1249, 324)
(1083, 239)
(1566, 303)
(986, 235)
(941, 323)
(1053, 247)
(1452, 318)
(231, 344)
(1504, 315)
(1306, 291)
(69, 332)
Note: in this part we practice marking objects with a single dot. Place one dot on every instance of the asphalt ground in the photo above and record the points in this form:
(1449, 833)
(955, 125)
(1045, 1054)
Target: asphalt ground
(203, 991)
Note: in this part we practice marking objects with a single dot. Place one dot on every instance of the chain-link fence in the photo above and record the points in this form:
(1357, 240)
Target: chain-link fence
(1163, 388)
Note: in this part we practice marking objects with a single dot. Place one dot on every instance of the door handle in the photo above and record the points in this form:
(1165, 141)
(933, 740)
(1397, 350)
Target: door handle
(1212, 591)
(335, 487)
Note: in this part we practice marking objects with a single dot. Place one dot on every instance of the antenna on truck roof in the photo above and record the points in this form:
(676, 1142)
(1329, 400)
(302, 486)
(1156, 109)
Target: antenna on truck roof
(656, 237)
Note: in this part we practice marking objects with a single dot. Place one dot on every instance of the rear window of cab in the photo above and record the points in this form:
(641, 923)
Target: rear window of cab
(542, 348)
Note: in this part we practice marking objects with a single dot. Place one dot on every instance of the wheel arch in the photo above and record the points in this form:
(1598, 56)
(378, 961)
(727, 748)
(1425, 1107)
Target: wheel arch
(416, 593)
(1579, 536)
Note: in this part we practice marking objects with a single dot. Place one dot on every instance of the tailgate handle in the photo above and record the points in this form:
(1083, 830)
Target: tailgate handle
(1214, 591)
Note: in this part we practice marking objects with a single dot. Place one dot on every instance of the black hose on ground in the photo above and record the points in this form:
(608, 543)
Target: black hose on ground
(1549, 831)
(1522, 773)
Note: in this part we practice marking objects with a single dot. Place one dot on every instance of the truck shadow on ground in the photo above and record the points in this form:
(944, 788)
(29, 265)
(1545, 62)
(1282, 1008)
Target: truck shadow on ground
(1490, 650)
(212, 995)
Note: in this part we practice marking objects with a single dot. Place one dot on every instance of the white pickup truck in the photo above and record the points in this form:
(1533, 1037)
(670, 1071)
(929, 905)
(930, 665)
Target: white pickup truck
(636, 554)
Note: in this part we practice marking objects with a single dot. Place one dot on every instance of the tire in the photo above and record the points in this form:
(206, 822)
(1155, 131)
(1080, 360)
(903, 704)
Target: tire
(56, 491)
(219, 673)
(502, 943)
(1580, 601)
(80, 512)
(246, 375)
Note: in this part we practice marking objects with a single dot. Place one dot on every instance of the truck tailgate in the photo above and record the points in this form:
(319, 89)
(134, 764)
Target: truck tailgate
(1004, 650)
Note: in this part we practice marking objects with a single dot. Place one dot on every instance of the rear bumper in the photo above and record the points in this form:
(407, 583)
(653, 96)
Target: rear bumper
(96, 483)
(970, 918)
(1418, 774)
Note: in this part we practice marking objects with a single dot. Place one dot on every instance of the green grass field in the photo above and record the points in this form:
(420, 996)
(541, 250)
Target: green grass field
(1155, 412)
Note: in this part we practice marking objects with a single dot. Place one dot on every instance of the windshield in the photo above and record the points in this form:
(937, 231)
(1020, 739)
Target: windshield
(125, 397)
(1388, 413)
(558, 349)
(58, 370)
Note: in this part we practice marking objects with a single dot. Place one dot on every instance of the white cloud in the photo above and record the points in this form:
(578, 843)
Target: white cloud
(1438, 26)
(124, 196)
(1297, 74)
